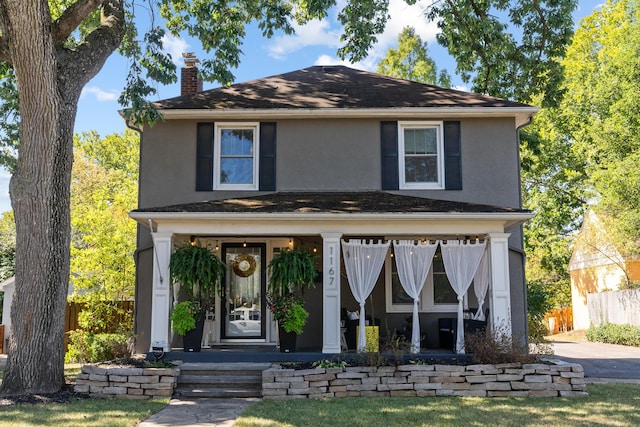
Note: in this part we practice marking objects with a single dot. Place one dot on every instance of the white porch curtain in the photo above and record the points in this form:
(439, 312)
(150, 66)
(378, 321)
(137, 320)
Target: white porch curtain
(461, 260)
(363, 262)
(413, 262)
(481, 285)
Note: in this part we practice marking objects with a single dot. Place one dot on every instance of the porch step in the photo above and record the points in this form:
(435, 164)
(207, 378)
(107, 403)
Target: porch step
(221, 379)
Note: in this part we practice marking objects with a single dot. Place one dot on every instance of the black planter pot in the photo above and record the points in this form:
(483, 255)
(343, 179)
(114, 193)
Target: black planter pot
(192, 340)
(287, 340)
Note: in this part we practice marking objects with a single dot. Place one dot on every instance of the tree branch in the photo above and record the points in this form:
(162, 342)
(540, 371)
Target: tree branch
(71, 18)
(79, 65)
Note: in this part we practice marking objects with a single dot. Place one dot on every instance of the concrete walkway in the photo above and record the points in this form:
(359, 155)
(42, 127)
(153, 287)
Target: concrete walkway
(199, 412)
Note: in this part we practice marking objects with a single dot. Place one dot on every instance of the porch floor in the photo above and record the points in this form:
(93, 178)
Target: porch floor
(266, 354)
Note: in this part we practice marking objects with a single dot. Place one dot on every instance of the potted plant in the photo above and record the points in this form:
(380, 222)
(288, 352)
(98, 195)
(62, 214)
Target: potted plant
(291, 272)
(198, 271)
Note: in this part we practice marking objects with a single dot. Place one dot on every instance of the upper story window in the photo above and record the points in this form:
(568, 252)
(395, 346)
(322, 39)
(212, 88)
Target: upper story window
(437, 294)
(421, 155)
(236, 156)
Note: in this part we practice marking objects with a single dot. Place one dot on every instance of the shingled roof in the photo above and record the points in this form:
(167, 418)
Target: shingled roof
(332, 87)
(373, 202)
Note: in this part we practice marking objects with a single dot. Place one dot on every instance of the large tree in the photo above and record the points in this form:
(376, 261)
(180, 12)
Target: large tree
(507, 49)
(104, 189)
(600, 113)
(411, 61)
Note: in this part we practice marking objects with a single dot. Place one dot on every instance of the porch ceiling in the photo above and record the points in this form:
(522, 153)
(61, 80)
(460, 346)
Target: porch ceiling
(307, 213)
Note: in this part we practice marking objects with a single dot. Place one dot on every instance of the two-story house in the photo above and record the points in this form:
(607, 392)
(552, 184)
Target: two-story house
(319, 156)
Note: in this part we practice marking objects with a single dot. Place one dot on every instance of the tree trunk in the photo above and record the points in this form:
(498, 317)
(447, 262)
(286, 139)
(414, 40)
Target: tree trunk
(49, 78)
(40, 199)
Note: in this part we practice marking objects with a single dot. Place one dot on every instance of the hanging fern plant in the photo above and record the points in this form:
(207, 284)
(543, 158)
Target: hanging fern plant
(198, 270)
(292, 270)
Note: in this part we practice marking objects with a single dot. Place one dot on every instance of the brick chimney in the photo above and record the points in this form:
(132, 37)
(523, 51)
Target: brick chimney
(190, 82)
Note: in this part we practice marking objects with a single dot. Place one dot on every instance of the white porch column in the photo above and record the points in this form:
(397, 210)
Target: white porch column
(331, 292)
(500, 290)
(161, 292)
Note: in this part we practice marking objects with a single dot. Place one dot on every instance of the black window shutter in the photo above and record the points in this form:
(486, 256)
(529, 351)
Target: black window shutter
(389, 149)
(452, 156)
(267, 165)
(204, 157)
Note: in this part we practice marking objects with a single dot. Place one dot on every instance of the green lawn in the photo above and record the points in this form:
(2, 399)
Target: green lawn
(81, 413)
(607, 405)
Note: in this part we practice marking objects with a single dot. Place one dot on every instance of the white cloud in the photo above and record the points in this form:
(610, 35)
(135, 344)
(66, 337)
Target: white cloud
(462, 88)
(175, 47)
(332, 60)
(314, 33)
(101, 95)
(403, 15)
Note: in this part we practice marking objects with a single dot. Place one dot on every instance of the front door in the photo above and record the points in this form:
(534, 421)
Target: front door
(243, 293)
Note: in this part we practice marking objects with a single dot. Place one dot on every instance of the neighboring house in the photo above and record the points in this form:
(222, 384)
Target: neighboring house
(325, 153)
(8, 287)
(596, 265)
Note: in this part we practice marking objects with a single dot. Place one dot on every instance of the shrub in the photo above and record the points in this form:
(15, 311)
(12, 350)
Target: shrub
(611, 333)
(89, 347)
(326, 363)
(538, 303)
(497, 347)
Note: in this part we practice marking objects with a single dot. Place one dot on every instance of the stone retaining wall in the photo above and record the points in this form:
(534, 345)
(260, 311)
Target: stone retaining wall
(503, 380)
(128, 383)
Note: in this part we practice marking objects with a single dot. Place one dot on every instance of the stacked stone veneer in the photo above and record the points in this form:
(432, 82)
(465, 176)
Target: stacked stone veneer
(127, 383)
(503, 380)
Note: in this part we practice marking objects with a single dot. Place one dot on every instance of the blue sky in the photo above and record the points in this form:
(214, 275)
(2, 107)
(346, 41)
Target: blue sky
(314, 44)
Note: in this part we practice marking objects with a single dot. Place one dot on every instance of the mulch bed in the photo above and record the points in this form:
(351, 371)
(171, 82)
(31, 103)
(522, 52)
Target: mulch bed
(65, 395)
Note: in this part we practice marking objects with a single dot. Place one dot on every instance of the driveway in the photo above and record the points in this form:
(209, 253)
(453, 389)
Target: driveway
(601, 360)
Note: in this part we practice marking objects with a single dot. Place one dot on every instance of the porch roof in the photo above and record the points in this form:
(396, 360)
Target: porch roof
(332, 202)
(346, 206)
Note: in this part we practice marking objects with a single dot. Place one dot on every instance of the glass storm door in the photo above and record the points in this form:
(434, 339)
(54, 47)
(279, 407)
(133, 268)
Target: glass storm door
(243, 293)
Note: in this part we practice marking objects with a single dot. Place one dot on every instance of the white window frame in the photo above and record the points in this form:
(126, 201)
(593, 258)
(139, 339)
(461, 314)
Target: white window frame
(438, 125)
(218, 128)
(426, 304)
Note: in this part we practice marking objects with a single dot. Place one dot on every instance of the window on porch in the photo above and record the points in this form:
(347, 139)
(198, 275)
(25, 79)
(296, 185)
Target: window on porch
(437, 294)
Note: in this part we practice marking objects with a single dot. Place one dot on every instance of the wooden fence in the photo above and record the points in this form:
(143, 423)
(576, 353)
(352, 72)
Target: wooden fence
(619, 307)
(71, 321)
(559, 320)
(74, 309)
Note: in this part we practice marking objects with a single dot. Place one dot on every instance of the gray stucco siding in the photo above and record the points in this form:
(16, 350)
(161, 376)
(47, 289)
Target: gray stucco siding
(341, 154)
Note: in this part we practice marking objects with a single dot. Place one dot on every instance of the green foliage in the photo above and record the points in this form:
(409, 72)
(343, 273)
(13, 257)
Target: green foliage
(600, 112)
(292, 270)
(615, 334)
(538, 303)
(515, 65)
(7, 245)
(184, 316)
(86, 346)
(103, 190)
(327, 364)
(289, 311)
(198, 270)
(98, 315)
(411, 61)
